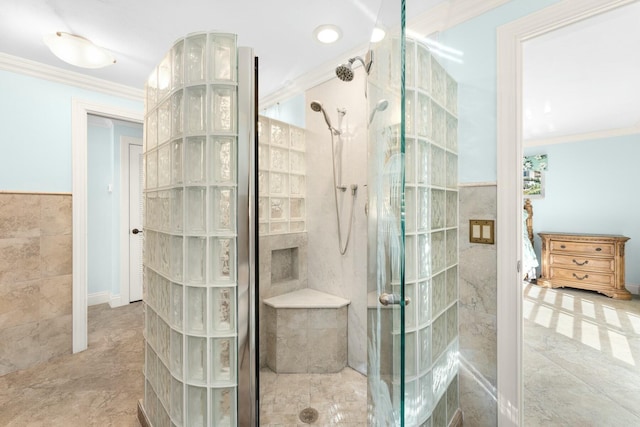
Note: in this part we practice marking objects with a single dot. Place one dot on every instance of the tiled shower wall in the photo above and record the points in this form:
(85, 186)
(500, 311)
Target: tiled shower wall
(478, 310)
(35, 279)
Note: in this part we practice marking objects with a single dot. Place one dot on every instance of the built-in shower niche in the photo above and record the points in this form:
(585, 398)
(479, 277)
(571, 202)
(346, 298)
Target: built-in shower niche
(284, 266)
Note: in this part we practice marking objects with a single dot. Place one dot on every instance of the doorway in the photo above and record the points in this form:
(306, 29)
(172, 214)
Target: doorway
(79, 124)
(511, 38)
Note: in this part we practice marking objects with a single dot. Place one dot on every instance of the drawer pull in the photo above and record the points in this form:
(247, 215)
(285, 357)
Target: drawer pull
(580, 278)
(598, 249)
(586, 261)
(563, 247)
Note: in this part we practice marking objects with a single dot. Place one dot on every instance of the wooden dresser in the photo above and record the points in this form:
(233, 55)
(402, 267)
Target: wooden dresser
(584, 261)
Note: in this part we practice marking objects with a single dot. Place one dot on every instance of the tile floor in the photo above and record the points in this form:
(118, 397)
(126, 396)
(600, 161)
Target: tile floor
(340, 399)
(581, 359)
(97, 387)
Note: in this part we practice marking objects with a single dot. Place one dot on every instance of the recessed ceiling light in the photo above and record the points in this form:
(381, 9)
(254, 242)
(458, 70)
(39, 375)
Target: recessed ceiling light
(327, 33)
(377, 35)
(78, 51)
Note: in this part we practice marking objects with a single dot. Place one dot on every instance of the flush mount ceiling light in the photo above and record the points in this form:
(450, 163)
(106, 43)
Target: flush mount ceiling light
(327, 33)
(78, 51)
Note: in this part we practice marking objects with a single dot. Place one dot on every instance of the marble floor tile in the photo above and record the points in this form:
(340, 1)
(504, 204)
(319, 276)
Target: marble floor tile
(581, 358)
(97, 387)
(340, 398)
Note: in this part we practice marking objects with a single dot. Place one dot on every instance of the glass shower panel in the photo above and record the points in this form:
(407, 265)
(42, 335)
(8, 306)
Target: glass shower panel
(387, 273)
(413, 231)
(191, 234)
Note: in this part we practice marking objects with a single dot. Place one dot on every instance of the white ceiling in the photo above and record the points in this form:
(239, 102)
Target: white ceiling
(140, 32)
(584, 78)
(578, 79)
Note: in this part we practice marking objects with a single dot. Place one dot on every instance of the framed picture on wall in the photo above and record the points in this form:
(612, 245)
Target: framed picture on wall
(533, 168)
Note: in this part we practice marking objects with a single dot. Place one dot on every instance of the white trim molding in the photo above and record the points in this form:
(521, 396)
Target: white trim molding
(509, 228)
(98, 298)
(47, 72)
(80, 109)
(579, 137)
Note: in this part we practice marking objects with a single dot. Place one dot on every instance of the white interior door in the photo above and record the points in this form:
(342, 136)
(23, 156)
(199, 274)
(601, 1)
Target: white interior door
(135, 222)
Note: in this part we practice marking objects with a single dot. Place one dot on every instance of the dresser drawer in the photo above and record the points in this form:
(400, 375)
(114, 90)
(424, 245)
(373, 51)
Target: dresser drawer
(591, 248)
(581, 262)
(578, 276)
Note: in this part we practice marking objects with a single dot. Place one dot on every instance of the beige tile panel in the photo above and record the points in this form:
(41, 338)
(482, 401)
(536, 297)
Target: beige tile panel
(19, 215)
(54, 337)
(55, 297)
(19, 259)
(20, 347)
(56, 255)
(55, 214)
(19, 303)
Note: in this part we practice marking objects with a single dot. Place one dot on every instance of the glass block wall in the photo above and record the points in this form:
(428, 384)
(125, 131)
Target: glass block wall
(190, 234)
(281, 177)
(431, 240)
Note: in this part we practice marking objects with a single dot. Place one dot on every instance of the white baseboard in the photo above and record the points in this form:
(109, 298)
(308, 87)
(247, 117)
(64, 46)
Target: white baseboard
(116, 301)
(98, 298)
(634, 288)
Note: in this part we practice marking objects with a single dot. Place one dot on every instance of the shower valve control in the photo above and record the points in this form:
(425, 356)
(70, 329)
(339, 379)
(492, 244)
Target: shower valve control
(390, 299)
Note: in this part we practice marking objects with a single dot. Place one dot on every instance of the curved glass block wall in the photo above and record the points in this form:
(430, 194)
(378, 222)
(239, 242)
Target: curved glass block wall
(431, 239)
(190, 261)
(413, 356)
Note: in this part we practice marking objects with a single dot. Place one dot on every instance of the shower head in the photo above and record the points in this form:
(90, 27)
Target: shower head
(318, 108)
(380, 106)
(345, 71)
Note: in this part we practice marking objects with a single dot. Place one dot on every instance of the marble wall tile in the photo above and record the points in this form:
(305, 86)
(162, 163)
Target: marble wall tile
(269, 288)
(55, 214)
(55, 297)
(291, 340)
(35, 278)
(19, 259)
(18, 303)
(477, 309)
(19, 215)
(56, 254)
(20, 347)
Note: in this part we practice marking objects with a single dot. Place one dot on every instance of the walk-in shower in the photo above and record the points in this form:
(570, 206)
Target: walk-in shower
(337, 184)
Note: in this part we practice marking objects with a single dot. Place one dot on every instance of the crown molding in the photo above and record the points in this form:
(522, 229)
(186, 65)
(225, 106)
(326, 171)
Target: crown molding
(47, 72)
(577, 137)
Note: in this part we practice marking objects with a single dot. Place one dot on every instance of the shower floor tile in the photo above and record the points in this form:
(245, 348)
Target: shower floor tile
(340, 399)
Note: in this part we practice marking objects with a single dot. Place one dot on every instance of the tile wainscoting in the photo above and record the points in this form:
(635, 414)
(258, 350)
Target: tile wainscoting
(35, 278)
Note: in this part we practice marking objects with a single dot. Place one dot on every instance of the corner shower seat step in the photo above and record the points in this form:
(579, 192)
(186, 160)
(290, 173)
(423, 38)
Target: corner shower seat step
(306, 332)
(306, 298)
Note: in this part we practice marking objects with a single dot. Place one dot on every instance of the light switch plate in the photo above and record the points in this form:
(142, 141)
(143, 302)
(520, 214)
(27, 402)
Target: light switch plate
(482, 231)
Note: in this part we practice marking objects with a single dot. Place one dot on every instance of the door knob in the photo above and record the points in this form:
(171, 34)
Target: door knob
(136, 231)
(389, 299)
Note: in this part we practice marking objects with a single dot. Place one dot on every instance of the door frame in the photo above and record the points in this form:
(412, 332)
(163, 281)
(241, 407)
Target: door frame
(124, 297)
(80, 109)
(510, 38)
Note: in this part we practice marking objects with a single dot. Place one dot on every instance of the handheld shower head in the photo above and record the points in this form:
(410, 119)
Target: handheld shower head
(380, 106)
(318, 108)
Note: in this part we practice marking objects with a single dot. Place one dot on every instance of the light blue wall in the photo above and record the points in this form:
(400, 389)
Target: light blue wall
(35, 136)
(100, 228)
(476, 77)
(290, 111)
(103, 225)
(587, 191)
